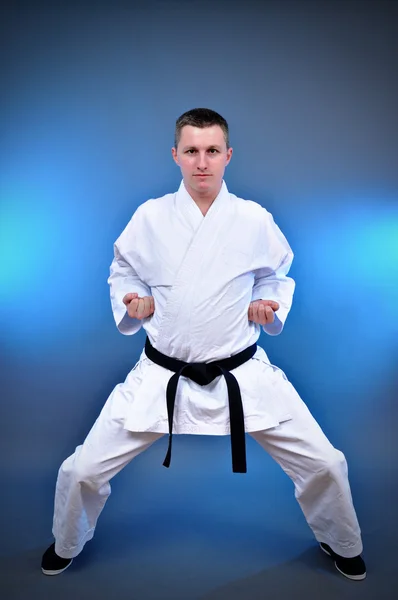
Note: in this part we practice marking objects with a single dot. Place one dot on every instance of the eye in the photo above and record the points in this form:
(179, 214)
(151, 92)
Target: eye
(213, 150)
(190, 151)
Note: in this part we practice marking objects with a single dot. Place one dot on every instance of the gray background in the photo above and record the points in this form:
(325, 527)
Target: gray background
(90, 93)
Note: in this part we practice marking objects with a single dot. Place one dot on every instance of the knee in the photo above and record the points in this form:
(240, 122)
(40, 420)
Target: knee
(81, 472)
(85, 475)
(332, 463)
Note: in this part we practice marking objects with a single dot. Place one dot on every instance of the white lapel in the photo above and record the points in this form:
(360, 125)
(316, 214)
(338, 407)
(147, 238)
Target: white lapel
(188, 208)
(208, 231)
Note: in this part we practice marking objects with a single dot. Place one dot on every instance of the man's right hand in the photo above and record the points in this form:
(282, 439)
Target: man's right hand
(139, 308)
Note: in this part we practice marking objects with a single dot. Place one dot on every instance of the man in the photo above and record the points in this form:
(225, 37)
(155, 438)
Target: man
(202, 271)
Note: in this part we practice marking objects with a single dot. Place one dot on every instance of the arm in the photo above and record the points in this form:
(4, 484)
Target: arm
(123, 280)
(272, 282)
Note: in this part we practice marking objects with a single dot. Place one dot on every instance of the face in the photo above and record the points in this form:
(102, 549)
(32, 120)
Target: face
(202, 156)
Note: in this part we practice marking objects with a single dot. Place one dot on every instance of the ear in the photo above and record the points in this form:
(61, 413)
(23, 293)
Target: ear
(174, 155)
(229, 156)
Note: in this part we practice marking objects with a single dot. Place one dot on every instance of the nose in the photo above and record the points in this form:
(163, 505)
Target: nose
(202, 161)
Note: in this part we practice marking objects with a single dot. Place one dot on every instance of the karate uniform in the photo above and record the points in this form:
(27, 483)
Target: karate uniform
(203, 272)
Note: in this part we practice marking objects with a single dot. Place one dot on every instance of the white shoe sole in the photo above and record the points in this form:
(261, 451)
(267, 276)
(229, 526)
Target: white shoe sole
(353, 577)
(47, 572)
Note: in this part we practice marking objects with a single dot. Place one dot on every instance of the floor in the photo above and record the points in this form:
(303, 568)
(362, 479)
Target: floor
(189, 535)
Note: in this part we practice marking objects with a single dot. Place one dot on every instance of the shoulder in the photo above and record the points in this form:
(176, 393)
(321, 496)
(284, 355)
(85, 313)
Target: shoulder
(155, 205)
(146, 216)
(251, 210)
(259, 219)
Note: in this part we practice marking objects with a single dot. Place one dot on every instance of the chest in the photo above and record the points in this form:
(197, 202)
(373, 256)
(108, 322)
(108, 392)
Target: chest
(220, 252)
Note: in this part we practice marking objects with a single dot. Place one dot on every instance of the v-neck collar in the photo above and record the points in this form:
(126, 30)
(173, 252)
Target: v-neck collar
(191, 211)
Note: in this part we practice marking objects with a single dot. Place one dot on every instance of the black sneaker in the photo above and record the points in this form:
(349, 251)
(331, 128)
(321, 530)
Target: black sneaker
(52, 564)
(353, 568)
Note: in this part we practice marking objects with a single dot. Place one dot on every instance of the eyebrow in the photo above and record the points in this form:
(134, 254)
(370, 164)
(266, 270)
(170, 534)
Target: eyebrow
(208, 148)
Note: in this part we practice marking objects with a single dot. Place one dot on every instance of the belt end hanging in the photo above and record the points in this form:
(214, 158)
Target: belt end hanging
(241, 468)
(167, 460)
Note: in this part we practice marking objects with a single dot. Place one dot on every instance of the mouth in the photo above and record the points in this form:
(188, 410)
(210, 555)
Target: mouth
(199, 175)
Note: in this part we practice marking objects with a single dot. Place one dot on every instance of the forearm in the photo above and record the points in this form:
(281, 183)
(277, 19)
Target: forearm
(124, 280)
(280, 289)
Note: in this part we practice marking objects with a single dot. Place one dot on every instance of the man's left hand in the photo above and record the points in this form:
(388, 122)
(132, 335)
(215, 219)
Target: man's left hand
(262, 311)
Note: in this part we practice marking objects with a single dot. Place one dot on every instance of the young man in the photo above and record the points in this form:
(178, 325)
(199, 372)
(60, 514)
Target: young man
(202, 271)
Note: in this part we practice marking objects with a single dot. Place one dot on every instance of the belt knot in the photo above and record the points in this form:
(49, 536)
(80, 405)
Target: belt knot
(201, 373)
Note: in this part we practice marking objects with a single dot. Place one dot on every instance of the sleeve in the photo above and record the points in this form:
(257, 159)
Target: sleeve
(270, 279)
(123, 280)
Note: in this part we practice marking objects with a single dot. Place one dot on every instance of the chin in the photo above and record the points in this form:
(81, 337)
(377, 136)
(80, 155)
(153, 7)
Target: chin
(200, 185)
(207, 182)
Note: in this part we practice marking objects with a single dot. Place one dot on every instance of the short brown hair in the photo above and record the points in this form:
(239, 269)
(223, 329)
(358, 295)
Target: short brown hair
(200, 117)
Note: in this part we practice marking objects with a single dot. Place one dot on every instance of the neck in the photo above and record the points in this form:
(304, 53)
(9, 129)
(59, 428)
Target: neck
(203, 200)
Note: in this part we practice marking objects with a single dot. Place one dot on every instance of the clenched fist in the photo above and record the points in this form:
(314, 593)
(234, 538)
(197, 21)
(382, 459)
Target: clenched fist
(263, 311)
(139, 308)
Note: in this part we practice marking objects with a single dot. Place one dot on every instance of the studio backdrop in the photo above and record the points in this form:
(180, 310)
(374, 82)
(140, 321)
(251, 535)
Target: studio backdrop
(90, 94)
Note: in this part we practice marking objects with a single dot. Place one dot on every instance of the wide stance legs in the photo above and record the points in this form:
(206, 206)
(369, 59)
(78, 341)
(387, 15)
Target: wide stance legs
(319, 474)
(83, 479)
(318, 470)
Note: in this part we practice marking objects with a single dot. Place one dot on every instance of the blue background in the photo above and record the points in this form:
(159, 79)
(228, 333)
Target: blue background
(90, 95)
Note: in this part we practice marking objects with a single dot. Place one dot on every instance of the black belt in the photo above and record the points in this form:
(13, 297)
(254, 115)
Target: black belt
(203, 374)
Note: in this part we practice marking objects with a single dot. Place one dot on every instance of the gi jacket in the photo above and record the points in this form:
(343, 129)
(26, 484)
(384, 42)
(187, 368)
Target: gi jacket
(203, 272)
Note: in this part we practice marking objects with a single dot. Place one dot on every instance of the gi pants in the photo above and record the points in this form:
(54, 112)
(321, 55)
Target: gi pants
(317, 469)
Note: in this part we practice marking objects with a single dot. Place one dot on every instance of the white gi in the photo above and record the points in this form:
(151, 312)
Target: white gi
(203, 272)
